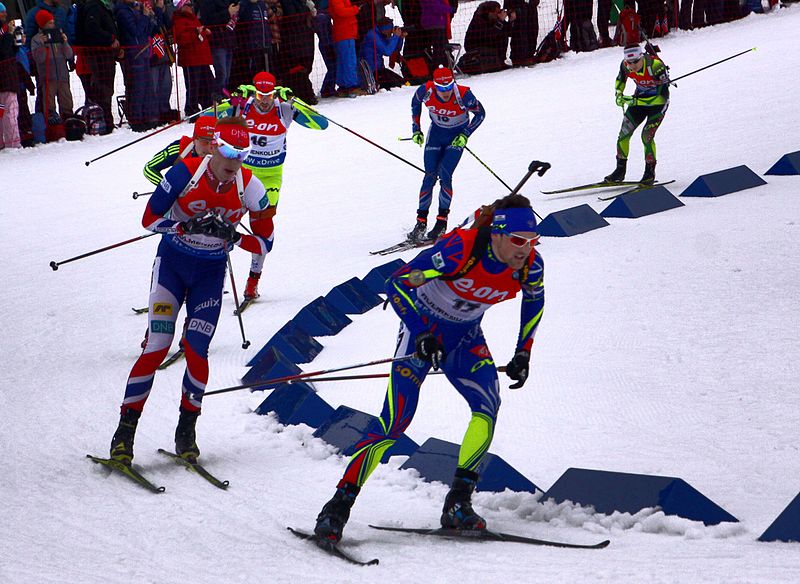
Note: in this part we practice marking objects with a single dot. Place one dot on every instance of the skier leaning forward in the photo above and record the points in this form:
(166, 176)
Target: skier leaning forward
(268, 114)
(441, 296)
(196, 208)
(649, 102)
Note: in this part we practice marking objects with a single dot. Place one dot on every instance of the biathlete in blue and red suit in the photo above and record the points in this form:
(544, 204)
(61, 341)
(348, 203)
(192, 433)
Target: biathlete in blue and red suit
(441, 296)
(449, 106)
(196, 207)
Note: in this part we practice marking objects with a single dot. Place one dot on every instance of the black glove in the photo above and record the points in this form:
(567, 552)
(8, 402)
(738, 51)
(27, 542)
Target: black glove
(218, 227)
(518, 368)
(197, 225)
(429, 349)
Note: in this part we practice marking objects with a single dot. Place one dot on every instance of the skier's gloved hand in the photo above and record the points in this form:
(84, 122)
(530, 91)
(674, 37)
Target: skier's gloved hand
(197, 225)
(218, 227)
(518, 368)
(460, 141)
(418, 138)
(623, 99)
(285, 93)
(429, 349)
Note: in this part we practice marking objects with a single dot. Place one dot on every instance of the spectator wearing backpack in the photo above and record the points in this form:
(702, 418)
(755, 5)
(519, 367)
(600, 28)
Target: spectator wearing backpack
(9, 131)
(383, 41)
(96, 32)
(51, 51)
(194, 56)
(629, 30)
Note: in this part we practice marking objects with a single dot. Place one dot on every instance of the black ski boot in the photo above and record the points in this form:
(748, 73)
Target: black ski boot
(185, 445)
(649, 176)
(457, 512)
(122, 442)
(334, 515)
(439, 227)
(418, 233)
(619, 173)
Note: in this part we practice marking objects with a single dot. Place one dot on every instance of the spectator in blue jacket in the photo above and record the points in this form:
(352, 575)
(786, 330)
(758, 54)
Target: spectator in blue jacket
(29, 25)
(136, 23)
(379, 42)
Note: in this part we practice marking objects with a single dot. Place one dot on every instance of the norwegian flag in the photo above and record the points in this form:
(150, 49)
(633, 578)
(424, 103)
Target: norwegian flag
(158, 46)
(657, 28)
(557, 31)
(664, 25)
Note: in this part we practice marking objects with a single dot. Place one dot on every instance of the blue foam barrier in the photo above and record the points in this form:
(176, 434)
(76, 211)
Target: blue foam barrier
(572, 221)
(633, 205)
(723, 182)
(293, 342)
(320, 318)
(353, 297)
(436, 460)
(786, 165)
(272, 365)
(375, 280)
(787, 526)
(296, 403)
(630, 493)
(347, 427)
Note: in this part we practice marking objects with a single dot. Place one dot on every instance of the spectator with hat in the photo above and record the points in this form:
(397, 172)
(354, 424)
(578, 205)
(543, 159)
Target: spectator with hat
(31, 27)
(51, 51)
(449, 106)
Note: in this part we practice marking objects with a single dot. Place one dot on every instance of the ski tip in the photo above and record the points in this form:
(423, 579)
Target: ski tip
(603, 544)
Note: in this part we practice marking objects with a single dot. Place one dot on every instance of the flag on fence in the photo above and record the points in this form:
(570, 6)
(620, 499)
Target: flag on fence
(557, 32)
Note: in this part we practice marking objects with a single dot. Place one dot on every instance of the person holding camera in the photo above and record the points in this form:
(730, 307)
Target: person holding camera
(9, 132)
(29, 25)
(383, 41)
(51, 51)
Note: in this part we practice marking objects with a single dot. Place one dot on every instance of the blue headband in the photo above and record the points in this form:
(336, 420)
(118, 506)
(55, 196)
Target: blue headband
(513, 220)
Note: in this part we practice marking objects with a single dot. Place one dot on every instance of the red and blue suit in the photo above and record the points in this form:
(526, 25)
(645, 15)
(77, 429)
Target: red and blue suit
(448, 119)
(452, 310)
(190, 269)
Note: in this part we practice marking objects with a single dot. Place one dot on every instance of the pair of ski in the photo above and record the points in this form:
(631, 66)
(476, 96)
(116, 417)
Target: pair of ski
(636, 186)
(471, 534)
(403, 246)
(138, 478)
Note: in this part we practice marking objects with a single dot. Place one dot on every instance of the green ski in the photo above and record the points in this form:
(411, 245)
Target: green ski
(128, 471)
(197, 468)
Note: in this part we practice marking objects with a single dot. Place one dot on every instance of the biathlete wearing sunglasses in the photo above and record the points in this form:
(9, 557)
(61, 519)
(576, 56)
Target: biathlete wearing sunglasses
(449, 106)
(441, 306)
(196, 208)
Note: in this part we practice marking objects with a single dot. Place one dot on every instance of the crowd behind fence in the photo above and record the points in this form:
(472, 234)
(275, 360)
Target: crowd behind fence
(96, 64)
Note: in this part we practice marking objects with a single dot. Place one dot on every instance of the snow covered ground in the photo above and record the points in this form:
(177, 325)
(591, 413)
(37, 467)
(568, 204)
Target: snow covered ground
(666, 348)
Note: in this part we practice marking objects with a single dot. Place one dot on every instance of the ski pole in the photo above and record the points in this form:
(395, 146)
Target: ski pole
(486, 166)
(673, 81)
(137, 195)
(535, 166)
(500, 369)
(359, 135)
(289, 378)
(146, 136)
(55, 265)
(245, 342)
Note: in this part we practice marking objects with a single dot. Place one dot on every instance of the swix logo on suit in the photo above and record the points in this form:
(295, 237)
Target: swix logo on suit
(267, 138)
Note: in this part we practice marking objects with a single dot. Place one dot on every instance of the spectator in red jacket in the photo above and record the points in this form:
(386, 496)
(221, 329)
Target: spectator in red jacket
(345, 32)
(194, 55)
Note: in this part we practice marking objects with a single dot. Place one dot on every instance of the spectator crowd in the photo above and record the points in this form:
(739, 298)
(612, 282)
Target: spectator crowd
(221, 44)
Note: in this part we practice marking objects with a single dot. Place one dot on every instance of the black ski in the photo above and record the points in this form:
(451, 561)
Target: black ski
(197, 468)
(128, 471)
(144, 310)
(331, 548)
(243, 306)
(176, 356)
(603, 184)
(636, 189)
(402, 246)
(486, 535)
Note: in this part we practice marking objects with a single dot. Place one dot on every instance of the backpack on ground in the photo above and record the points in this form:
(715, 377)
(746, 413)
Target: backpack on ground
(55, 128)
(416, 70)
(92, 115)
(582, 36)
(74, 128)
